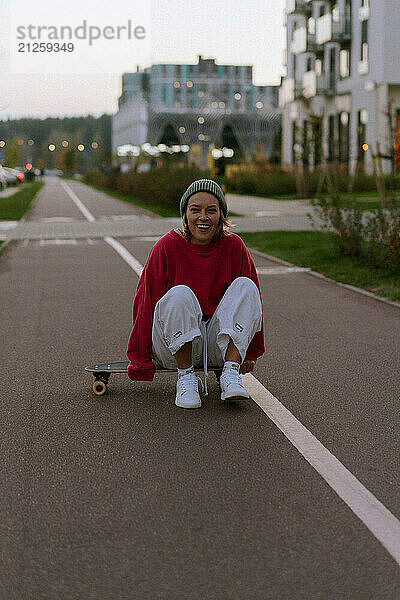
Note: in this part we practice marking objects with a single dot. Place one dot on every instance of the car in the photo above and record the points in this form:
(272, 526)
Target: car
(3, 181)
(14, 176)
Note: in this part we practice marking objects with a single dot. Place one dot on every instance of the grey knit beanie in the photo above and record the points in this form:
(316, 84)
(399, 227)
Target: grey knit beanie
(204, 185)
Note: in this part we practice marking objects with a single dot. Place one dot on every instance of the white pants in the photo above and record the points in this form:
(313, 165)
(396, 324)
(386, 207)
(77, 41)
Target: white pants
(178, 319)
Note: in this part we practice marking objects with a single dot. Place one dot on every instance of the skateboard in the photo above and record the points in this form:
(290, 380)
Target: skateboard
(102, 372)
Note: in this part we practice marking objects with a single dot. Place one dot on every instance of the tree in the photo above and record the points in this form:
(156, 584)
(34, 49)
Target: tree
(11, 154)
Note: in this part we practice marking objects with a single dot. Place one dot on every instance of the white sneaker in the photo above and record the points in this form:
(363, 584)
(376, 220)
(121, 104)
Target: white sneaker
(231, 384)
(187, 391)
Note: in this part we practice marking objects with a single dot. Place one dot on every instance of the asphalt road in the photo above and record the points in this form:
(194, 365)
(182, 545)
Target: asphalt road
(130, 497)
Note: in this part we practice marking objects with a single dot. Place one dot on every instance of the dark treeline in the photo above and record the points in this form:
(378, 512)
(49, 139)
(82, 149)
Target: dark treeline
(40, 129)
(53, 130)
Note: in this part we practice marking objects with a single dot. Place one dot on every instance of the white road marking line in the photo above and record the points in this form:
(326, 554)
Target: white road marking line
(87, 214)
(379, 520)
(281, 270)
(127, 256)
(126, 218)
(57, 220)
(6, 225)
(375, 516)
(58, 242)
(268, 213)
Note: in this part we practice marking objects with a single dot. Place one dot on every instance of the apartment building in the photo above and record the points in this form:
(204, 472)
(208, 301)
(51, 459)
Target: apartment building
(191, 103)
(182, 87)
(343, 73)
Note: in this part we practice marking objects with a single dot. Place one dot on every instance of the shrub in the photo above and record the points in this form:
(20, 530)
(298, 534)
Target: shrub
(375, 241)
(162, 186)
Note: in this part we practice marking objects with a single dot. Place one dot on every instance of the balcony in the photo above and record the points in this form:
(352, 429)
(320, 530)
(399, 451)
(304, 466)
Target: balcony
(286, 92)
(363, 13)
(309, 84)
(299, 41)
(326, 84)
(323, 29)
(341, 31)
(298, 6)
(363, 67)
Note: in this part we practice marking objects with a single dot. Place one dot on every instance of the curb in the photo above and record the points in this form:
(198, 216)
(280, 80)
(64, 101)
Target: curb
(352, 288)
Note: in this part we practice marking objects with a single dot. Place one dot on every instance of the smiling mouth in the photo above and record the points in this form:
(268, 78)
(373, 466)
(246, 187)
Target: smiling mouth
(203, 227)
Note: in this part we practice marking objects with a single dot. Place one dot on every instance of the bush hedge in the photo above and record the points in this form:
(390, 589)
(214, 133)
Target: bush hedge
(164, 186)
(161, 186)
(281, 183)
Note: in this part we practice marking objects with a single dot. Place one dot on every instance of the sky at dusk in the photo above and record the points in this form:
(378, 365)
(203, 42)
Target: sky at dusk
(110, 38)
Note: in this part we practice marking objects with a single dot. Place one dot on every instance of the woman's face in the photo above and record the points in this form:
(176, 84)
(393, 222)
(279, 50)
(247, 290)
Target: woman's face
(203, 215)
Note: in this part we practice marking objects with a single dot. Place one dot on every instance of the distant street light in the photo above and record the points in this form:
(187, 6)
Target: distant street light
(52, 147)
(30, 142)
(95, 145)
(64, 144)
(2, 143)
(81, 147)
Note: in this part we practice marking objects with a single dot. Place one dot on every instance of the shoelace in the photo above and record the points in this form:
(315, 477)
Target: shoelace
(232, 375)
(205, 357)
(190, 382)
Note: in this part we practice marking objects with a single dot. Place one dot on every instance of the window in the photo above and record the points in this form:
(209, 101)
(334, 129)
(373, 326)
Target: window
(311, 26)
(361, 134)
(318, 66)
(364, 32)
(331, 138)
(309, 65)
(347, 10)
(364, 3)
(344, 138)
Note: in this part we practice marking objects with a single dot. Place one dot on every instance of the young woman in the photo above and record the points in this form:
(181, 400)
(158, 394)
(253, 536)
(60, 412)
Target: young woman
(198, 303)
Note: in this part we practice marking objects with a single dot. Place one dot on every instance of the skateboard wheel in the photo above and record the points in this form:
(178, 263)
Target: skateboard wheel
(99, 387)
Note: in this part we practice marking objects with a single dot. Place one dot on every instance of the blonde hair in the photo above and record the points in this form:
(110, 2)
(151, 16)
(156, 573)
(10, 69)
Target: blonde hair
(222, 229)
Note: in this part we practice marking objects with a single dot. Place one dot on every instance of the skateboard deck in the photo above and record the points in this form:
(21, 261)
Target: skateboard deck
(102, 371)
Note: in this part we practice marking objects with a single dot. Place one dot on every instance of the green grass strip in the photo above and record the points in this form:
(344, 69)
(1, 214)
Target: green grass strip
(162, 211)
(316, 250)
(13, 208)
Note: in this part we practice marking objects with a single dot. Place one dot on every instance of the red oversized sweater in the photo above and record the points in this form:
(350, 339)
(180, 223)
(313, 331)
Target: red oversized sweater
(208, 270)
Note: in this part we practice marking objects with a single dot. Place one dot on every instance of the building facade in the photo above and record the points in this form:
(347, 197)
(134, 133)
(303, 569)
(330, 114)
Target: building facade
(342, 81)
(202, 103)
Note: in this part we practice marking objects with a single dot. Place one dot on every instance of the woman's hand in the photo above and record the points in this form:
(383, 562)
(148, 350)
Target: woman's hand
(247, 366)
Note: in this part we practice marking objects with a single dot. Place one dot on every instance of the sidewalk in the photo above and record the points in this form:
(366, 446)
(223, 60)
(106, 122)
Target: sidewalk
(9, 191)
(140, 226)
(265, 207)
